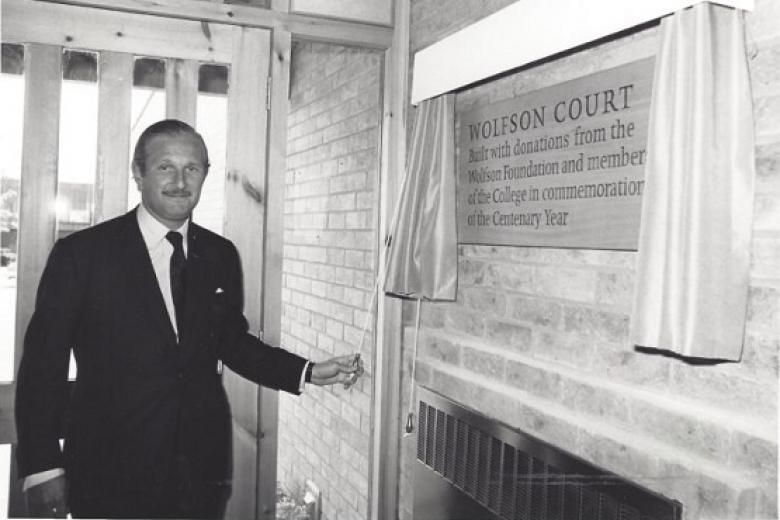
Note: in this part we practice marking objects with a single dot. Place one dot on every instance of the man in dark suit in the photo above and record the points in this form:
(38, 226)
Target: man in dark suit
(149, 302)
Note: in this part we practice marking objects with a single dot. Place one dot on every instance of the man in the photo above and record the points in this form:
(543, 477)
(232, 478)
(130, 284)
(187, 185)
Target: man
(149, 303)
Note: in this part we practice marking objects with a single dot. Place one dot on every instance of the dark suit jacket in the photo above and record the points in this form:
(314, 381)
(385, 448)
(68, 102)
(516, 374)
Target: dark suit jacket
(142, 404)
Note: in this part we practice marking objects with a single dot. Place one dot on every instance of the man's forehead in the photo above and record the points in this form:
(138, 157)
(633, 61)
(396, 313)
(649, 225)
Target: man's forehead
(173, 139)
(169, 143)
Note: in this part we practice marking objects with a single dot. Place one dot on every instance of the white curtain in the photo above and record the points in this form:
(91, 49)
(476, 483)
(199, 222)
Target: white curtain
(423, 258)
(694, 243)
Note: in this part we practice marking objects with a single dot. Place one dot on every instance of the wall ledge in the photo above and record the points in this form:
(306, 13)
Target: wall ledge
(745, 424)
(589, 430)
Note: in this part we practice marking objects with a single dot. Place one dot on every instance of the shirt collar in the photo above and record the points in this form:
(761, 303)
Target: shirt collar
(154, 231)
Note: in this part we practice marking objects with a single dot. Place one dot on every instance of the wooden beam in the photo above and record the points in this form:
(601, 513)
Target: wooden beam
(306, 27)
(181, 90)
(245, 199)
(7, 422)
(26, 21)
(268, 417)
(17, 505)
(242, 505)
(280, 6)
(40, 153)
(367, 11)
(335, 32)
(115, 83)
(387, 427)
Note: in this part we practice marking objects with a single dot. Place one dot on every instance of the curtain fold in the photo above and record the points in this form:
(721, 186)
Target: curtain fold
(423, 256)
(694, 241)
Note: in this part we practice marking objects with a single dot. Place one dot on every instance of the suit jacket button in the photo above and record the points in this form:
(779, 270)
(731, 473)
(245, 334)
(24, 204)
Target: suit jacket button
(181, 375)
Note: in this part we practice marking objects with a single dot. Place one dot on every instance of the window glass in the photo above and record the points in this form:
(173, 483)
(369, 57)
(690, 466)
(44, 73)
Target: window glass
(78, 143)
(212, 125)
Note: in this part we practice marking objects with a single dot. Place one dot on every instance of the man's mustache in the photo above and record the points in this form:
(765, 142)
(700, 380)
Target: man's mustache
(177, 193)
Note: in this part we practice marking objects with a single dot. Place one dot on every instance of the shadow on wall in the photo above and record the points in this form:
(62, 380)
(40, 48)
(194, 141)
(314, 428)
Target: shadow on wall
(693, 361)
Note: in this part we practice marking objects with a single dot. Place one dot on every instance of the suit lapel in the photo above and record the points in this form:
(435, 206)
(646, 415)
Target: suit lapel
(144, 281)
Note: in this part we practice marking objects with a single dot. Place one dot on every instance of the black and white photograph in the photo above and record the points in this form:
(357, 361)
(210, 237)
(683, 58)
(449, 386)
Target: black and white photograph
(389, 259)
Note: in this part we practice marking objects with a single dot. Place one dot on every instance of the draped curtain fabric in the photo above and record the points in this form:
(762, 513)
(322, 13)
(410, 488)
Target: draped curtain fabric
(422, 262)
(694, 241)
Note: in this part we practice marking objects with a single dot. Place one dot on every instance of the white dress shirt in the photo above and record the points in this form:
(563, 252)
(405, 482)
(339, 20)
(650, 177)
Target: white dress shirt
(160, 251)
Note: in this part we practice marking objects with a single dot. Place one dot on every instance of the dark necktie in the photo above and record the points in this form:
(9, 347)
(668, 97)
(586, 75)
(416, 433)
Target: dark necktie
(177, 276)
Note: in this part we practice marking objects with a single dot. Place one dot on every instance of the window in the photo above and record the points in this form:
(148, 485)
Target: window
(75, 201)
(212, 125)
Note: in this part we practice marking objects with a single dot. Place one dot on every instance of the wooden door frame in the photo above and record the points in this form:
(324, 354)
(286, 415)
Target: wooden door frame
(387, 422)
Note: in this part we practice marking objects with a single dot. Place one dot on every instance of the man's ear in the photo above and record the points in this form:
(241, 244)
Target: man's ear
(137, 175)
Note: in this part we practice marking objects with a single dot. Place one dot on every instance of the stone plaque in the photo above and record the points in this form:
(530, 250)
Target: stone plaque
(562, 166)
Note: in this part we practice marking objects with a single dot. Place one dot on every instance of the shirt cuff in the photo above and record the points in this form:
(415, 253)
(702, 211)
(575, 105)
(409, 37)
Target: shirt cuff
(40, 478)
(302, 384)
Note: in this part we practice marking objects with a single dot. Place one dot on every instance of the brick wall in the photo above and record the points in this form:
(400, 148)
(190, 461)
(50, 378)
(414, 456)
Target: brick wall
(538, 337)
(328, 267)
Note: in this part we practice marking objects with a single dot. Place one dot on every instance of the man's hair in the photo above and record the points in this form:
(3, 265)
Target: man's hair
(170, 127)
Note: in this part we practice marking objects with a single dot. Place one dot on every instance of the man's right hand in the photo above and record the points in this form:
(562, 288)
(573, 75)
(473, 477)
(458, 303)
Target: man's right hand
(48, 499)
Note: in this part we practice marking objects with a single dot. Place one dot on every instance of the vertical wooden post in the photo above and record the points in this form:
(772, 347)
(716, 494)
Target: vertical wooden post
(245, 200)
(181, 90)
(385, 443)
(40, 153)
(115, 83)
(17, 507)
(268, 414)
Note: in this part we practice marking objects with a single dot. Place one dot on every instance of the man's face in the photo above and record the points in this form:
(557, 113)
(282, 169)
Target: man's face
(174, 170)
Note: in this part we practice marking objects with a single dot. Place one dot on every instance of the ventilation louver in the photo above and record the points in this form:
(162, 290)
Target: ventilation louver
(470, 467)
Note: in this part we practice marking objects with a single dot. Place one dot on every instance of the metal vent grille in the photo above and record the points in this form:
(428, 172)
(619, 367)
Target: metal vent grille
(513, 476)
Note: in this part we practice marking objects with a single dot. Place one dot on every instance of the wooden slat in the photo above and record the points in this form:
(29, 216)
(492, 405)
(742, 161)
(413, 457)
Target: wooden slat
(115, 83)
(385, 471)
(280, 6)
(244, 467)
(102, 30)
(272, 281)
(244, 219)
(40, 152)
(327, 30)
(336, 32)
(245, 167)
(17, 506)
(181, 90)
(367, 11)
(7, 423)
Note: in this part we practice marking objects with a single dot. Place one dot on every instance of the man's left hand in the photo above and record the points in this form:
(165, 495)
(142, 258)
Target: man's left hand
(343, 369)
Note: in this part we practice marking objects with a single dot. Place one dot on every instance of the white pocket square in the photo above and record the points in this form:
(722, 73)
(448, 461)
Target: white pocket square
(219, 290)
